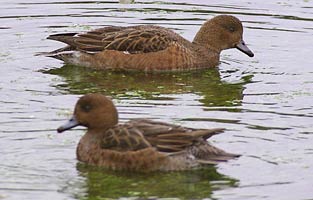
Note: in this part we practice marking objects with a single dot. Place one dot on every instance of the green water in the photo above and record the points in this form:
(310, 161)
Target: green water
(121, 85)
(196, 184)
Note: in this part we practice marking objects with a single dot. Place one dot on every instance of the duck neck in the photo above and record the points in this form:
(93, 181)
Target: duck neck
(97, 132)
(207, 38)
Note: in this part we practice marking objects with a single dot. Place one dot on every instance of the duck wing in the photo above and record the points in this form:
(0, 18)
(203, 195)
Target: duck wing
(170, 137)
(142, 133)
(124, 138)
(133, 39)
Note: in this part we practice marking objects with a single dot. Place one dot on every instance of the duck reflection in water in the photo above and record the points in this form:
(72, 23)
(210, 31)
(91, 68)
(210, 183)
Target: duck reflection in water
(196, 184)
(207, 84)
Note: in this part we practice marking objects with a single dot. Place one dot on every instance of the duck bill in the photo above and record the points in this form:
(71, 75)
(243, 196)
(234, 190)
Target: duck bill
(243, 48)
(68, 125)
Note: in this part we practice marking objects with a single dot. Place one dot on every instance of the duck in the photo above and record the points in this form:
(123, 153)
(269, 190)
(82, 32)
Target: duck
(151, 48)
(139, 145)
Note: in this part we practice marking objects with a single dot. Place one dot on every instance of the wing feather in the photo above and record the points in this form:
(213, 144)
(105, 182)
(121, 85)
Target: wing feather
(143, 133)
(134, 39)
(171, 138)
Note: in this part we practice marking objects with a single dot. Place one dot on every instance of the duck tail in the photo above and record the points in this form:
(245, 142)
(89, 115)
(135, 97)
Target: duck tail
(216, 159)
(61, 56)
(213, 131)
(209, 154)
(67, 38)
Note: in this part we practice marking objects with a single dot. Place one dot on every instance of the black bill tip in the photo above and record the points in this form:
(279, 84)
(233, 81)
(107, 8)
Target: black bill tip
(243, 48)
(68, 125)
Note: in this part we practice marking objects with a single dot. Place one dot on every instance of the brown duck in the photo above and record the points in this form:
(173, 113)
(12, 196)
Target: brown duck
(151, 48)
(141, 144)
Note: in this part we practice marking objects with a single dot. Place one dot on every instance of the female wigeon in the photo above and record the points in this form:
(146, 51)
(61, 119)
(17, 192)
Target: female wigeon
(141, 144)
(151, 48)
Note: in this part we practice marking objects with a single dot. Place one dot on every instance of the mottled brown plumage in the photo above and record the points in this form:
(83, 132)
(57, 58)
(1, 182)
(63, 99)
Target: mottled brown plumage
(141, 144)
(151, 48)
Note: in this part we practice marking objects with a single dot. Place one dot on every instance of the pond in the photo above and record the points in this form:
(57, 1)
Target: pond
(265, 103)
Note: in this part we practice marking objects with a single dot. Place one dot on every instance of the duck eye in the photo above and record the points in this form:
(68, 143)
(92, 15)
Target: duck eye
(231, 29)
(86, 107)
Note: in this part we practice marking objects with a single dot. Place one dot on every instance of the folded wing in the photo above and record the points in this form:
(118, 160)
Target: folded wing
(167, 138)
(133, 39)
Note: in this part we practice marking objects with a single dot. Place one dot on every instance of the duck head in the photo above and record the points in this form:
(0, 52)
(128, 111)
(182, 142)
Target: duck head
(94, 111)
(222, 32)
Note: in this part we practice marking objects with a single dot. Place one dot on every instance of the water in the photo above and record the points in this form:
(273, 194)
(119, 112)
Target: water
(265, 102)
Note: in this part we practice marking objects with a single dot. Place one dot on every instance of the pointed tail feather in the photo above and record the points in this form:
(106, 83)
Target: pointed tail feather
(60, 35)
(61, 56)
(52, 53)
(209, 152)
(208, 162)
(214, 160)
(213, 131)
(67, 38)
